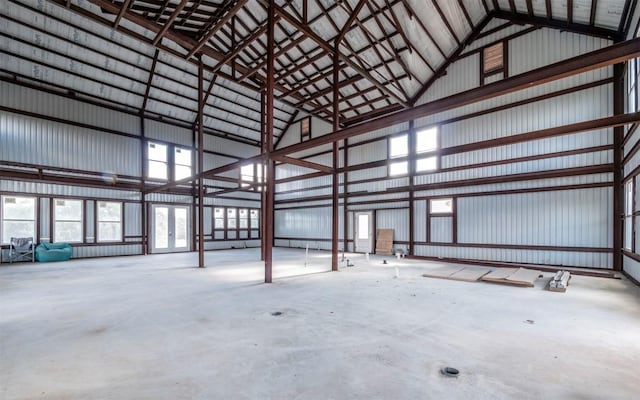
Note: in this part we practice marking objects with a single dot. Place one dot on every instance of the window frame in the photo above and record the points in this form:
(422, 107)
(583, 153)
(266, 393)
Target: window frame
(55, 220)
(98, 221)
(7, 240)
(250, 229)
(453, 214)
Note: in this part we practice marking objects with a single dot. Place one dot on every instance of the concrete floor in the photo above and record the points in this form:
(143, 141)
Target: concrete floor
(155, 328)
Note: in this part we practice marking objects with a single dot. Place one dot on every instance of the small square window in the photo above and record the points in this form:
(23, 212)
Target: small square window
(427, 164)
(399, 146)
(441, 206)
(399, 168)
(427, 140)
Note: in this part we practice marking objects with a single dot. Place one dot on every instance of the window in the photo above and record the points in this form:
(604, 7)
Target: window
(157, 165)
(243, 218)
(218, 216)
(255, 221)
(232, 222)
(426, 142)
(183, 161)
(305, 129)
(399, 147)
(628, 215)
(493, 58)
(632, 85)
(441, 206)
(18, 217)
(109, 221)
(493, 61)
(67, 216)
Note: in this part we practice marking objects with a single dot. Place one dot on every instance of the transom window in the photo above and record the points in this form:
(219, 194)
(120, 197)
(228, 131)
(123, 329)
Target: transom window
(67, 217)
(441, 206)
(18, 217)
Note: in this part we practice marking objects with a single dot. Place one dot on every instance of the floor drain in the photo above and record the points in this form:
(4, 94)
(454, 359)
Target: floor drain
(449, 371)
(276, 313)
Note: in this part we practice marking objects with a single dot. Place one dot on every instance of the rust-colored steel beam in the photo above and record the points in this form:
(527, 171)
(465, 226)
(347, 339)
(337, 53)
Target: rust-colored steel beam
(614, 54)
(304, 164)
(270, 188)
(331, 50)
(219, 24)
(167, 24)
(200, 145)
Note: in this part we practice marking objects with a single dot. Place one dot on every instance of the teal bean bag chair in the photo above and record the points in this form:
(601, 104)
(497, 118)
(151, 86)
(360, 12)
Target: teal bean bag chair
(48, 252)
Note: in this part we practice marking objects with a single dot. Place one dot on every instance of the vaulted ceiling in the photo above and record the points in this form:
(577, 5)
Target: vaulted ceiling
(143, 55)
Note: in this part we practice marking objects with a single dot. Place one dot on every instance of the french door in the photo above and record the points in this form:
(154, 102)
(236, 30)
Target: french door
(169, 228)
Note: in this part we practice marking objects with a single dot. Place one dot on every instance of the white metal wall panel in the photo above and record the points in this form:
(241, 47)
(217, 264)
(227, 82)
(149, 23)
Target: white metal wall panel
(631, 267)
(43, 103)
(314, 223)
(80, 251)
(577, 259)
(571, 218)
(66, 191)
(132, 219)
(398, 220)
(441, 229)
(89, 233)
(45, 228)
(36, 141)
(168, 133)
(420, 216)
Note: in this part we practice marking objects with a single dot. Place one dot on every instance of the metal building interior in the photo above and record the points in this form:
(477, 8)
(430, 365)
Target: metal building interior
(190, 151)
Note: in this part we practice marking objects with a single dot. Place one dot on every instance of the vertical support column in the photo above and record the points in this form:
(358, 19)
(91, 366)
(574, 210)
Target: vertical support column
(412, 173)
(144, 229)
(200, 165)
(334, 198)
(618, 188)
(263, 149)
(270, 170)
(345, 196)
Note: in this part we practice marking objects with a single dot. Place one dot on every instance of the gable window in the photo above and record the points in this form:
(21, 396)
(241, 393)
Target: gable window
(183, 162)
(109, 221)
(18, 217)
(250, 174)
(67, 217)
(493, 61)
(305, 129)
(157, 164)
(427, 142)
(398, 147)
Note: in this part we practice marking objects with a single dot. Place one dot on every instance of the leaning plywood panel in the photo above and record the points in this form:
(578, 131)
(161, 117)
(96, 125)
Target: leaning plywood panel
(384, 241)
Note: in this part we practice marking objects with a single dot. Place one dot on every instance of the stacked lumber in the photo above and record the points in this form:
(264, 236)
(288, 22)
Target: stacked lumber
(560, 281)
(384, 241)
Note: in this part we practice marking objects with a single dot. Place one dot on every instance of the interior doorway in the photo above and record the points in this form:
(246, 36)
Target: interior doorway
(170, 228)
(364, 232)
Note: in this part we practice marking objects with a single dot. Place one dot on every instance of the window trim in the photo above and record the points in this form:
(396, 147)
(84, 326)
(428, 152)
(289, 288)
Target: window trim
(250, 229)
(398, 159)
(148, 159)
(176, 164)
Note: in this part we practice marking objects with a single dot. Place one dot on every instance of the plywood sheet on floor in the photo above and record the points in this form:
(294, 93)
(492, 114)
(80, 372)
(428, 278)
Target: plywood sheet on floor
(458, 273)
(513, 276)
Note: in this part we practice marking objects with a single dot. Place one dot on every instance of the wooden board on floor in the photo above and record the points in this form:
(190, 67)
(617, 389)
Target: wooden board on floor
(470, 274)
(384, 241)
(513, 276)
(443, 272)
